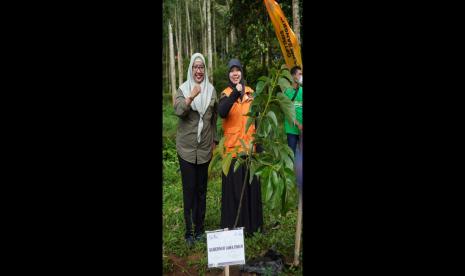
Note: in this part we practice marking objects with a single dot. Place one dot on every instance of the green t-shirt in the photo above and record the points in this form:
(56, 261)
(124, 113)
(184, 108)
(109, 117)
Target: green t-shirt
(290, 127)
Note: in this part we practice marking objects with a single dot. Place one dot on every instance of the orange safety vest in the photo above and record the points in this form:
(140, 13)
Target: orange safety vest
(234, 123)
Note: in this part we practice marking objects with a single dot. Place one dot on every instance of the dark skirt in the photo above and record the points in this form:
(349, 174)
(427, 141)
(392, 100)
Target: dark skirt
(251, 215)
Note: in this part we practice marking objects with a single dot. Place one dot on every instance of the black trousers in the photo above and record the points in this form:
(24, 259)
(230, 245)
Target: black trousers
(292, 141)
(194, 191)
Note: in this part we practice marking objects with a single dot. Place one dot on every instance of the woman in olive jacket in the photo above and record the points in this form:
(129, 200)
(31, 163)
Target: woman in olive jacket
(196, 137)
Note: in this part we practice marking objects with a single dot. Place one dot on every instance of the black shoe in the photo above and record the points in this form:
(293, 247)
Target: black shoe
(200, 237)
(190, 241)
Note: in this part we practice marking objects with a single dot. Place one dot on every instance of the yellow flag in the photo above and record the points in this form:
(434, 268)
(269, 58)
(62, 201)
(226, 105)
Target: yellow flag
(287, 39)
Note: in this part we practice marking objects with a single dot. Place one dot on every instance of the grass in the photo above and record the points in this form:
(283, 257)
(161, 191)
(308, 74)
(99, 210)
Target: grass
(280, 237)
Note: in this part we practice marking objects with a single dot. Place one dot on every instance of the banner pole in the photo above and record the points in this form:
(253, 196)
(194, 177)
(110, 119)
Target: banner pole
(298, 232)
(226, 268)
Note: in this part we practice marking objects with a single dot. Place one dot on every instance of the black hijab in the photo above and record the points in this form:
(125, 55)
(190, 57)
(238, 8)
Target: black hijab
(236, 63)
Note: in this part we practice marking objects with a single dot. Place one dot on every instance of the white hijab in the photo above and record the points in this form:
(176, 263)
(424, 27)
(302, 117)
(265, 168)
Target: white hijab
(202, 101)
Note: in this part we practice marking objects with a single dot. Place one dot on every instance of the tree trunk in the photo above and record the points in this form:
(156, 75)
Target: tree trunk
(298, 232)
(203, 38)
(214, 36)
(233, 29)
(186, 42)
(295, 18)
(204, 28)
(189, 30)
(172, 70)
(200, 40)
(166, 66)
(233, 36)
(179, 47)
(209, 37)
(227, 50)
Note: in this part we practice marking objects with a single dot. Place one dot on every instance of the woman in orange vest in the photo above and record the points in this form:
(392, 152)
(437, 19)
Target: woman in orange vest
(235, 101)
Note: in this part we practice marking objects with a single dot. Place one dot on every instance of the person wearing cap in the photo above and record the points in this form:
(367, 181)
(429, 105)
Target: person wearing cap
(196, 137)
(234, 103)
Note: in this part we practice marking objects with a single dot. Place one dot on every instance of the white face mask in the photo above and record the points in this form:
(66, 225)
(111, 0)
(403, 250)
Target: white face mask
(301, 79)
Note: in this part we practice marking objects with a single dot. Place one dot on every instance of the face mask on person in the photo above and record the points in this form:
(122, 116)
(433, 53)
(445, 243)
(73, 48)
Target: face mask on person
(301, 79)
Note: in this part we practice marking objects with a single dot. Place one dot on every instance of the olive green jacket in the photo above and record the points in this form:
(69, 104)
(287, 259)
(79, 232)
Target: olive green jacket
(186, 136)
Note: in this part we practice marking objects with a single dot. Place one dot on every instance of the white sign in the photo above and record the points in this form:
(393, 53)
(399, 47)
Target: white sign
(225, 247)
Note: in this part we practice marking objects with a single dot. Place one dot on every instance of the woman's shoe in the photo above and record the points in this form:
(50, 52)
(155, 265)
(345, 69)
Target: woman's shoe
(190, 241)
(200, 237)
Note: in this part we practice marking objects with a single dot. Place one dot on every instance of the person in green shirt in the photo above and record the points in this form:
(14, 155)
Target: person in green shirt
(294, 129)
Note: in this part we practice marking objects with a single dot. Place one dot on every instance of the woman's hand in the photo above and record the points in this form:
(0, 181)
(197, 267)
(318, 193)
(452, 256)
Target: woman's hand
(195, 91)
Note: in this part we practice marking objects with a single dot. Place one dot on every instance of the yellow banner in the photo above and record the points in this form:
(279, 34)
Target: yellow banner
(287, 39)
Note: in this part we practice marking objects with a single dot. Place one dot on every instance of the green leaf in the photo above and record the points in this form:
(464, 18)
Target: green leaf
(288, 162)
(259, 87)
(250, 120)
(251, 143)
(212, 164)
(269, 189)
(276, 154)
(264, 79)
(286, 74)
(284, 156)
(289, 172)
(274, 202)
(252, 171)
(279, 165)
(243, 144)
(260, 170)
(273, 117)
(278, 188)
(220, 147)
(275, 177)
(227, 163)
(289, 151)
(284, 84)
(286, 107)
(263, 127)
(237, 164)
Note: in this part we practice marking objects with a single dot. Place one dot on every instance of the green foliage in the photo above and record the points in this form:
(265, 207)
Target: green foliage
(276, 160)
(274, 165)
(170, 120)
(226, 163)
(220, 77)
